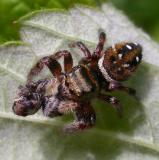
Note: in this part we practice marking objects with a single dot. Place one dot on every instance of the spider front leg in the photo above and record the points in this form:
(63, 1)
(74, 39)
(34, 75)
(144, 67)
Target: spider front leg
(99, 48)
(117, 86)
(68, 61)
(83, 48)
(88, 58)
(53, 65)
(85, 118)
(113, 101)
(87, 55)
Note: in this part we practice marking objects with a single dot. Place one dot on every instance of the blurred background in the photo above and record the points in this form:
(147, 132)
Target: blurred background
(144, 13)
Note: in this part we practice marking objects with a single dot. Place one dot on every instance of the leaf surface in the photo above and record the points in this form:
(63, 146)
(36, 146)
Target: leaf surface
(35, 137)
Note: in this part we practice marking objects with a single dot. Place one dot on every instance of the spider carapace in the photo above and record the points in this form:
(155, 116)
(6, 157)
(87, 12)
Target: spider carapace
(73, 89)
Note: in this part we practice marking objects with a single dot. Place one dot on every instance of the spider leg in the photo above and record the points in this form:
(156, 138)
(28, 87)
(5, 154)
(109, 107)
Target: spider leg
(87, 55)
(68, 61)
(113, 101)
(85, 118)
(88, 58)
(53, 106)
(117, 86)
(99, 48)
(83, 48)
(52, 64)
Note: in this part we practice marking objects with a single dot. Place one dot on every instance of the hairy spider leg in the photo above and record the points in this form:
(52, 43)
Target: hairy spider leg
(113, 101)
(68, 61)
(53, 106)
(118, 86)
(87, 55)
(88, 58)
(83, 48)
(99, 48)
(85, 118)
(53, 65)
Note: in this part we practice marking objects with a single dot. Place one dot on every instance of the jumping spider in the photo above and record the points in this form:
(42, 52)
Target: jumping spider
(74, 89)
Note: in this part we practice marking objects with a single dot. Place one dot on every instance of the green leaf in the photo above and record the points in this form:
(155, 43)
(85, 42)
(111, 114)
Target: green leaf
(17, 8)
(135, 136)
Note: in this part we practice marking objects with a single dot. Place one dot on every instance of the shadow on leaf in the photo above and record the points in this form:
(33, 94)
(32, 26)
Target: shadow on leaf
(98, 143)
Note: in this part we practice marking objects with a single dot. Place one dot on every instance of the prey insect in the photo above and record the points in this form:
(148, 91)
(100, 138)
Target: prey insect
(73, 89)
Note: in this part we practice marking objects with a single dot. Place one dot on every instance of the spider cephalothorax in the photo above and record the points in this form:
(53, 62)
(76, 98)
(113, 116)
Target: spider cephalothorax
(121, 61)
(73, 89)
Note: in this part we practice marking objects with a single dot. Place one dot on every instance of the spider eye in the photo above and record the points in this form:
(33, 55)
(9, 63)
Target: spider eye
(125, 49)
(112, 59)
(134, 62)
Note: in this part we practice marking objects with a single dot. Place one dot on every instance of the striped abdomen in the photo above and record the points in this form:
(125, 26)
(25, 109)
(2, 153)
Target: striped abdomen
(82, 80)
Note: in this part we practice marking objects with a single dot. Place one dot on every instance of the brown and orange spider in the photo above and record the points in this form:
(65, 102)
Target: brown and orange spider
(74, 89)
